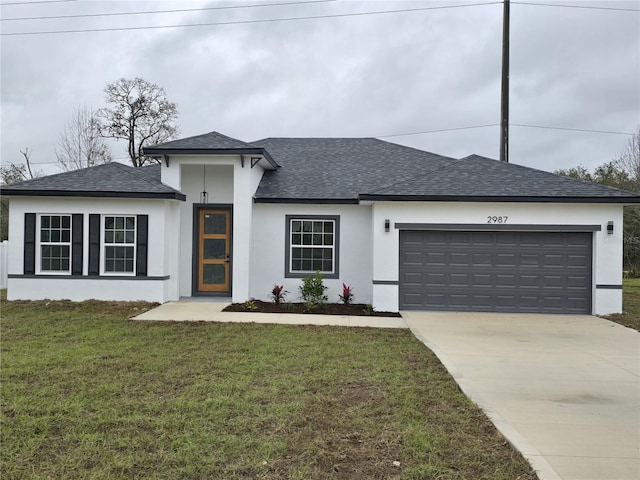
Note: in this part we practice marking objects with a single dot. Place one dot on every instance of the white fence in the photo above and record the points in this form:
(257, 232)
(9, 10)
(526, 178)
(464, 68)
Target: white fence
(4, 257)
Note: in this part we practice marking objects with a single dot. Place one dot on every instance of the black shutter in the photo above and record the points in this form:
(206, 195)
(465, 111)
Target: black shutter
(94, 244)
(76, 243)
(29, 243)
(141, 245)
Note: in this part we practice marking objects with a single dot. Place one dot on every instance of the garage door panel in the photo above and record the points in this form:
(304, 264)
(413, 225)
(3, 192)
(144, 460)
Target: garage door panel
(458, 280)
(507, 239)
(482, 259)
(436, 299)
(506, 259)
(482, 238)
(459, 259)
(413, 258)
(553, 281)
(496, 271)
(553, 260)
(483, 279)
(412, 279)
(578, 261)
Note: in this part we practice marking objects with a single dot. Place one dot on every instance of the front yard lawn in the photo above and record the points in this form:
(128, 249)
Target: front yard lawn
(87, 393)
(631, 305)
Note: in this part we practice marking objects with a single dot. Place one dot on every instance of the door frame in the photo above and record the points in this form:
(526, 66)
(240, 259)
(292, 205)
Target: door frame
(197, 207)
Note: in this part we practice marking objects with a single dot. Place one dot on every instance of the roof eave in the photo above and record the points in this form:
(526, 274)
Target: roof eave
(307, 201)
(153, 152)
(502, 198)
(93, 194)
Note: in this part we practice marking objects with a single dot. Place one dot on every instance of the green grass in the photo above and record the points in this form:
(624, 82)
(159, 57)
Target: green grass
(631, 305)
(87, 393)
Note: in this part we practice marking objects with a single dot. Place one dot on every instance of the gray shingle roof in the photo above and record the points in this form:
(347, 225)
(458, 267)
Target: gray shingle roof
(207, 144)
(352, 169)
(108, 180)
(207, 141)
(338, 169)
(484, 178)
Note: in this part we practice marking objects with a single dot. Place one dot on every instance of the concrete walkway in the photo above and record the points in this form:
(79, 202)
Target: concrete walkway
(212, 312)
(564, 390)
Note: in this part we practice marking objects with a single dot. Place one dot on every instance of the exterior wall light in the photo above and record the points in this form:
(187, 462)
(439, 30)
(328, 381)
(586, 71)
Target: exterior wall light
(610, 228)
(204, 195)
(386, 225)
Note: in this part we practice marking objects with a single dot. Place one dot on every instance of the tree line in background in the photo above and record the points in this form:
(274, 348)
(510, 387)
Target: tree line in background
(621, 172)
(137, 112)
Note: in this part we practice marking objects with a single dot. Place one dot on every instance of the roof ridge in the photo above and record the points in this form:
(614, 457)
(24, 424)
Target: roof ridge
(414, 149)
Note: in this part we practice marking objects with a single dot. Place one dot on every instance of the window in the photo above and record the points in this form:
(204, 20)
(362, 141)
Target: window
(312, 244)
(55, 243)
(119, 244)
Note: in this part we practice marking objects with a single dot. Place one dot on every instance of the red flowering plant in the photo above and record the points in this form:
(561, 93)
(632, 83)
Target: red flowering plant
(347, 294)
(278, 294)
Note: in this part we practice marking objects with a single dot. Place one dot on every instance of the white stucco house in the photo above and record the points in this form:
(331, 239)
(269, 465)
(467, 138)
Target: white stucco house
(407, 229)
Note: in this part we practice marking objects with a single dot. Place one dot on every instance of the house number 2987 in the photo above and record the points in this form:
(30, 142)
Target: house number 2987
(494, 219)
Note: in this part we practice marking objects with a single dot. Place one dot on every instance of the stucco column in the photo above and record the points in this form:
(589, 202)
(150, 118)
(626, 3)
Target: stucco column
(242, 211)
(385, 258)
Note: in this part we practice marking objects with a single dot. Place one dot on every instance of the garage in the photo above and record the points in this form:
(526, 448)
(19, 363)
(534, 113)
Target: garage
(496, 271)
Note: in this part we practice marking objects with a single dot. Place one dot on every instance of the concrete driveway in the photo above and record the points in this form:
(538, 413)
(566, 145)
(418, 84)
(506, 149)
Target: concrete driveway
(565, 390)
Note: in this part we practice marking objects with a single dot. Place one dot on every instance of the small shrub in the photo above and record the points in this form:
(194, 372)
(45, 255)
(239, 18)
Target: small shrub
(347, 294)
(288, 306)
(251, 305)
(368, 309)
(278, 294)
(312, 289)
(309, 306)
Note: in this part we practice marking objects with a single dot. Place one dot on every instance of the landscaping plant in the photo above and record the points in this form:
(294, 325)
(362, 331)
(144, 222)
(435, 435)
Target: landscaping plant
(278, 294)
(250, 305)
(347, 294)
(312, 289)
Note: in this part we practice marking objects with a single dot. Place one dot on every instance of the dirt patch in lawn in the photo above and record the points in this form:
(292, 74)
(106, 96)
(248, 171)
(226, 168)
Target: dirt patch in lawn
(354, 309)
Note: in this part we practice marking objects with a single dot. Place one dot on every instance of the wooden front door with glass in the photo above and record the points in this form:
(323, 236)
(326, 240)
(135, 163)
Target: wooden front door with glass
(214, 250)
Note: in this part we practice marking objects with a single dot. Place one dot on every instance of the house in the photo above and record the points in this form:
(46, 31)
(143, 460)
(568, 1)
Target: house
(406, 228)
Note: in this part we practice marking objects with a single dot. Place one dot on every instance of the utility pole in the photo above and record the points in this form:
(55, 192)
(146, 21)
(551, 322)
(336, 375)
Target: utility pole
(504, 103)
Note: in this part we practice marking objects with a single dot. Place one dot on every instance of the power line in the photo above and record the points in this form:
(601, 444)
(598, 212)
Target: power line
(439, 130)
(150, 12)
(572, 129)
(510, 124)
(31, 3)
(239, 22)
(609, 132)
(578, 6)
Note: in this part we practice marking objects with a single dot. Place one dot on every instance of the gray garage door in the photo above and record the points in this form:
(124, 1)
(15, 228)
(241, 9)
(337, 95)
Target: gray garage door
(547, 272)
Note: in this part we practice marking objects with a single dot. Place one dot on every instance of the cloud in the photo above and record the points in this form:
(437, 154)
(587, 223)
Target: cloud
(350, 76)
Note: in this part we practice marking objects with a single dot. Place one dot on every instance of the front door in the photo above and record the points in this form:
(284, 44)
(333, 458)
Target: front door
(214, 248)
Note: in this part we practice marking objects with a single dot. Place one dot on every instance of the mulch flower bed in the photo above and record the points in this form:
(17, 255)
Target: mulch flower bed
(354, 309)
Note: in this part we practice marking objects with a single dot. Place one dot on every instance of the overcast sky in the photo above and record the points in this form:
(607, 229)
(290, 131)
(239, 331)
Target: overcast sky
(348, 76)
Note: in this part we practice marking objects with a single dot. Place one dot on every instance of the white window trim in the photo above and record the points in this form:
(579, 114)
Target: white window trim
(103, 244)
(289, 246)
(39, 244)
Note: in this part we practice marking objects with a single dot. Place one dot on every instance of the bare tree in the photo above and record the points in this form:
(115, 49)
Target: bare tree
(13, 173)
(80, 144)
(139, 113)
(19, 172)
